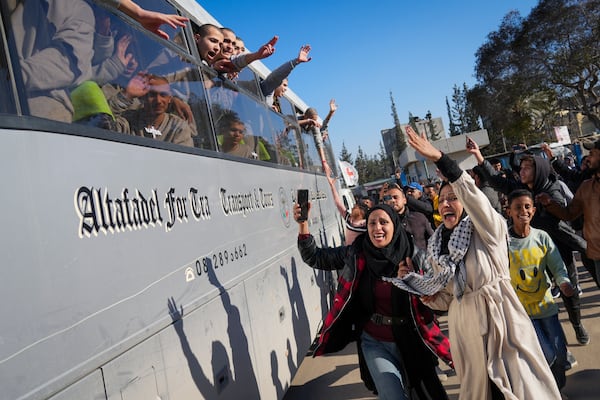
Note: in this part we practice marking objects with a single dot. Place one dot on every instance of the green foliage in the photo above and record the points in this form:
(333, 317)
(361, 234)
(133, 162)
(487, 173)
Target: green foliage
(452, 129)
(462, 115)
(370, 168)
(345, 155)
(400, 140)
(535, 69)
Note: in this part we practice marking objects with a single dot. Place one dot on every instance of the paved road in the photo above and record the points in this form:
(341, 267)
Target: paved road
(336, 376)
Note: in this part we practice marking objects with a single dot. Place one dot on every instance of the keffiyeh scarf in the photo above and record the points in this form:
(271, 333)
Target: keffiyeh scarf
(449, 265)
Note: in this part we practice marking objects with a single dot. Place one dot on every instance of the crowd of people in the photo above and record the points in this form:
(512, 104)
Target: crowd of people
(492, 248)
(81, 62)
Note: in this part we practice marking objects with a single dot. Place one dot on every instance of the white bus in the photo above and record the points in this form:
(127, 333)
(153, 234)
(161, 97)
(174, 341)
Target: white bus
(136, 266)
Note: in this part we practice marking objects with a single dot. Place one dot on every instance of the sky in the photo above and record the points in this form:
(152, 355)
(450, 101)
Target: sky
(362, 51)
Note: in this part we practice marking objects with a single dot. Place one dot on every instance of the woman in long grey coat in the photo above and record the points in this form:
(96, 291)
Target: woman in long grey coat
(494, 345)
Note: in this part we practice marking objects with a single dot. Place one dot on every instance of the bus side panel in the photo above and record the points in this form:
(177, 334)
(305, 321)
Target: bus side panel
(284, 307)
(191, 358)
(90, 387)
(83, 283)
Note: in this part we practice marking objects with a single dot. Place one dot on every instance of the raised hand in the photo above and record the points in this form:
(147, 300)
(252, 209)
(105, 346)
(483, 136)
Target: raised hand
(303, 54)
(473, 148)
(267, 49)
(328, 174)
(548, 151)
(332, 106)
(422, 145)
(224, 66)
(175, 313)
(152, 21)
(121, 50)
(137, 86)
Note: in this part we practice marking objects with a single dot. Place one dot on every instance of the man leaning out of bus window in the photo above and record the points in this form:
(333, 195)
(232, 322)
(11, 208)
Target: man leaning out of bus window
(151, 120)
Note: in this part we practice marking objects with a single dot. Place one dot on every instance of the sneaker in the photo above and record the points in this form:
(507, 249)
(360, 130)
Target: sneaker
(571, 361)
(581, 334)
(579, 290)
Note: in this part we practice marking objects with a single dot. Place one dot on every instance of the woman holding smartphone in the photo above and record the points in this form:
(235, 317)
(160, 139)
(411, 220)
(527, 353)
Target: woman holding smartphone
(397, 336)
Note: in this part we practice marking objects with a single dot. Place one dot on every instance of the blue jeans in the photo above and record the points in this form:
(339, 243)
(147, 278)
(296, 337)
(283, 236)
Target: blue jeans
(385, 365)
(554, 345)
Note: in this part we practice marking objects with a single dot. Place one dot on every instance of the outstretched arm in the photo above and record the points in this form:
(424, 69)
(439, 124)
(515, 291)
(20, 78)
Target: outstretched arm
(336, 197)
(568, 213)
(332, 110)
(495, 179)
(276, 77)
(473, 148)
(151, 20)
(242, 60)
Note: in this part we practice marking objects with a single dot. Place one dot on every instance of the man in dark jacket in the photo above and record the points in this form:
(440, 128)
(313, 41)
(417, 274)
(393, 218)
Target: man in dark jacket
(414, 222)
(481, 181)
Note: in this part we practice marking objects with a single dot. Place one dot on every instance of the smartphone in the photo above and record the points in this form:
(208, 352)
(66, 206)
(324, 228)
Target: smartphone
(470, 143)
(303, 202)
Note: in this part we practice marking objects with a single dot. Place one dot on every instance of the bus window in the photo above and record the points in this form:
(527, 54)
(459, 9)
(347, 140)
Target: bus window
(286, 140)
(113, 74)
(286, 107)
(160, 94)
(244, 129)
(246, 79)
(312, 157)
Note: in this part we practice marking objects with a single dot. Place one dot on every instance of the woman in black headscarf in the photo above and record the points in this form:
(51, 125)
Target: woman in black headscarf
(398, 336)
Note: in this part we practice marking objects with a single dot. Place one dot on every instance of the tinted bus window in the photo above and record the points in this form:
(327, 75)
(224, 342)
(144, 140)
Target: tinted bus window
(312, 160)
(247, 80)
(113, 74)
(242, 125)
(286, 140)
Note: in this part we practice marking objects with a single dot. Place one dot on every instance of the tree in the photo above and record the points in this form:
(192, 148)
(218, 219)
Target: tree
(400, 140)
(345, 155)
(360, 163)
(564, 54)
(471, 116)
(532, 69)
(385, 164)
(453, 129)
(463, 117)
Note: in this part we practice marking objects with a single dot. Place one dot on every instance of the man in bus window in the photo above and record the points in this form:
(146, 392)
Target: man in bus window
(152, 119)
(208, 41)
